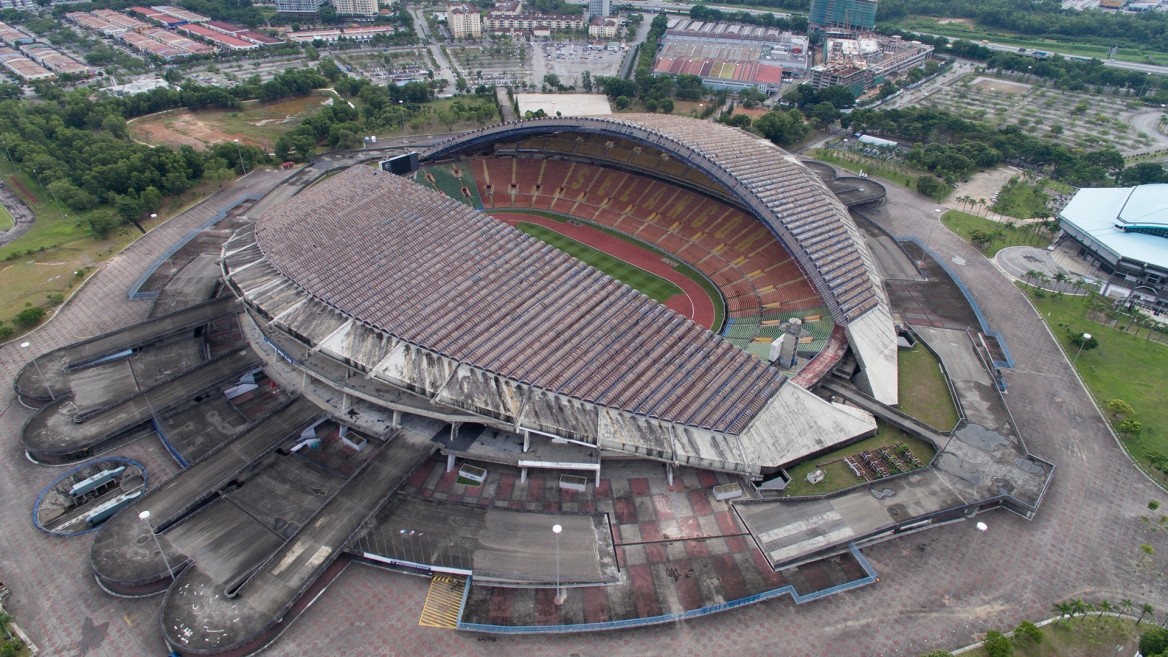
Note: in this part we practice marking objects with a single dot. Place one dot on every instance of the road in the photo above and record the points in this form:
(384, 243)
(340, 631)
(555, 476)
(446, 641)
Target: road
(1131, 66)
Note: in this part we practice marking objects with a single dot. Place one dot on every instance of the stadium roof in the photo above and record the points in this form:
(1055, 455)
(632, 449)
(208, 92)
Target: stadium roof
(463, 313)
(781, 192)
(1113, 217)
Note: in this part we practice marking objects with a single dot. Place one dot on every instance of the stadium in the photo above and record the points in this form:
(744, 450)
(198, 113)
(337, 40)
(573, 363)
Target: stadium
(474, 321)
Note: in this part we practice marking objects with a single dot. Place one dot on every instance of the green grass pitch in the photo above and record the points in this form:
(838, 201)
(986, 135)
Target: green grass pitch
(648, 284)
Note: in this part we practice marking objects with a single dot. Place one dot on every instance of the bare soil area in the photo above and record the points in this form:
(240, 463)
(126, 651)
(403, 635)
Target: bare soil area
(1002, 86)
(985, 184)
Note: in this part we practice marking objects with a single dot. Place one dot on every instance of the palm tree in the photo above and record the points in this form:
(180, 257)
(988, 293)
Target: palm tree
(1084, 609)
(1145, 609)
(1064, 610)
(1104, 608)
(1126, 606)
(1061, 278)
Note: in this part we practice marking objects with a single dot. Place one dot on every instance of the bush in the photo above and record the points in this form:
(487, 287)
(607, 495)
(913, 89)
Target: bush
(931, 186)
(55, 298)
(6, 331)
(997, 645)
(1027, 634)
(29, 317)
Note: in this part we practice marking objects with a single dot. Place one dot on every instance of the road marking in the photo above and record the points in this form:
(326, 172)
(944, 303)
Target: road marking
(443, 606)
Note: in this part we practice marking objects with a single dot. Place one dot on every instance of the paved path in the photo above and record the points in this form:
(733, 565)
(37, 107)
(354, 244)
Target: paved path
(938, 589)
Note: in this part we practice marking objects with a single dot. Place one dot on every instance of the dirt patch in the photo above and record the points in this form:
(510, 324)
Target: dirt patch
(1002, 86)
(983, 185)
(180, 128)
(967, 22)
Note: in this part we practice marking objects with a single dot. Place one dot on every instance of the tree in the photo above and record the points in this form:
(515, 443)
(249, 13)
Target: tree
(1064, 611)
(1145, 552)
(586, 81)
(782, 128)
(980, 238)
(1130, 428)
(1118, 409)
(1145, 610)
(666, 105)
(1105, 607)
(997, 645)
(931, 186)
(622, 102)
(1154, 641)
(1027, 634)
(29, 317)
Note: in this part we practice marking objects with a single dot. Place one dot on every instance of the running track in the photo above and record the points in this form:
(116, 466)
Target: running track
(693, 302)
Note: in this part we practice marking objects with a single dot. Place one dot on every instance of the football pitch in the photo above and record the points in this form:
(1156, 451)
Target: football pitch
(650, 285)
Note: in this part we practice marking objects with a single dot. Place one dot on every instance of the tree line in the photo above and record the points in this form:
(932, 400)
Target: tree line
(792, 23)
(1044, 19)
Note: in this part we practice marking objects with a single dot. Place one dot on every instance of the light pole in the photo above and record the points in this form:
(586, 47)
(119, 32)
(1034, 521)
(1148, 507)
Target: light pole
(981, 529)
(240, 152)
(145, 517)
(556, 529)
(1086, 337)
(52, 397)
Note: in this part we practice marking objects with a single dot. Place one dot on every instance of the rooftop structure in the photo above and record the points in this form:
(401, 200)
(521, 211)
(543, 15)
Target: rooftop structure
(119, 19)
(23, 67)
(552, 22)
(54, 60)
(218, 38)
(13, 36)
(1124, 231)
(353, 33)
(564, 104)
(181, 14)
(732, 56)
(848, 15)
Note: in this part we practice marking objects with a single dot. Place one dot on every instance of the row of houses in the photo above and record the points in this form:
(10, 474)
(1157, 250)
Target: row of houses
(29, 60)
(336, 34)
(159, 35)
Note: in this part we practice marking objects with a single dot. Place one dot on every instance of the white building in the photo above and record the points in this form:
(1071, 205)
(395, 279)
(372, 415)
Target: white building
(534, 22)
(298, 6)
(603, 28)
(464, 21)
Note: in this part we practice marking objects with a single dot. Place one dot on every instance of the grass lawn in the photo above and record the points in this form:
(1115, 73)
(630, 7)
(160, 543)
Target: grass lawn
(837, 475)
(855, 163)
(1022, 201)
(964, 224)
(924, 393)
(1083, 636)
(650, 285)
(710, 289)
(1124, 366)
(7, 221)
(42, 261)
(961, 30)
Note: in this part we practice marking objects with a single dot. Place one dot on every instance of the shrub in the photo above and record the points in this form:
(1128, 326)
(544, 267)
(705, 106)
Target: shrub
(29, 317)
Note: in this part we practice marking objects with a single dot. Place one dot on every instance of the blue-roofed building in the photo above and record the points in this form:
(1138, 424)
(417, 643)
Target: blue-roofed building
(1123, 231)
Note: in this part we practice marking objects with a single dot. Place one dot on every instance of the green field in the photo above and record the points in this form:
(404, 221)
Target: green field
(854, 162)
(1124, 366)
(960, 30)
(924, 394)
(7, 221)
(1022, 200)
(648, 284)
(1084, 636)
(964, 224)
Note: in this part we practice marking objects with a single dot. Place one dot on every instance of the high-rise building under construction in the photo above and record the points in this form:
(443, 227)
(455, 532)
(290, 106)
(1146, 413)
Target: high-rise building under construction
(850, 15)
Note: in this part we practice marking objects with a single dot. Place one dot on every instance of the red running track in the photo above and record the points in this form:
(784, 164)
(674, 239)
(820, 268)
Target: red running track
(693, 302)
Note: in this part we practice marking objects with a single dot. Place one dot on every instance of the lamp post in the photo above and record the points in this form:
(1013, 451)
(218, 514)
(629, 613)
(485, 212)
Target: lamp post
(981, 529)
(145, 517)
(52, 397)
(240, 152)
(1086, 337)
(556, 529)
